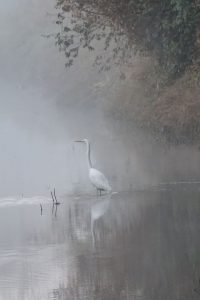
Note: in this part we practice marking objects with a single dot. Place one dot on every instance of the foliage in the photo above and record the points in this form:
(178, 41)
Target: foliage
(167, 28)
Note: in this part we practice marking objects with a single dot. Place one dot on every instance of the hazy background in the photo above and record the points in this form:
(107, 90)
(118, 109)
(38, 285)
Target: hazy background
(44, 108)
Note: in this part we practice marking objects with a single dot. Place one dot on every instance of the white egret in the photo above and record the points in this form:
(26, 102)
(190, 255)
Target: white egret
(96, 177)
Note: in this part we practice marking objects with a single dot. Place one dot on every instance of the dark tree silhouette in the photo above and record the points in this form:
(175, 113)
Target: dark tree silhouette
(167, 29)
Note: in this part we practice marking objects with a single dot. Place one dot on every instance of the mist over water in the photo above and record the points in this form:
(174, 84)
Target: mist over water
(44, 107)
(140, 243)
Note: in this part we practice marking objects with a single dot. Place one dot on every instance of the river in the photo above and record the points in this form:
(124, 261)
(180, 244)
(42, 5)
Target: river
(141, 245)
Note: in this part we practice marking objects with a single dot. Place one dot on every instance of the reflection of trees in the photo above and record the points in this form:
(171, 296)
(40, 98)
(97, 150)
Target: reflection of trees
(148, 249)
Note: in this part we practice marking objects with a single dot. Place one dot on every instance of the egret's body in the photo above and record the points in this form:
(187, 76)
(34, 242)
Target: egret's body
(97, 178)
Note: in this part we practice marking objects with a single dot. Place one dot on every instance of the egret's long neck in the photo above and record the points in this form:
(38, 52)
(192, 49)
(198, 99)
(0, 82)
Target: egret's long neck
(88, 154)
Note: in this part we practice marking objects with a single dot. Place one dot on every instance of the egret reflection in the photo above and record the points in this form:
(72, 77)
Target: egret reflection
(98, 210)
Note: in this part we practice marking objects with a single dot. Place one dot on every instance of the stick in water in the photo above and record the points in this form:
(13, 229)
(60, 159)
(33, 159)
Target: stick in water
(41, 208)
(52, 197)
(55, 197)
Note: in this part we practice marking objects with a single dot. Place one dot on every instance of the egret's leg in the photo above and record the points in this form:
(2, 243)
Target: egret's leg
(100, 192)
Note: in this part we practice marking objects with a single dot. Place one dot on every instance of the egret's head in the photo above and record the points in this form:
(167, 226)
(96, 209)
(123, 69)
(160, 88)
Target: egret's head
(82, 141)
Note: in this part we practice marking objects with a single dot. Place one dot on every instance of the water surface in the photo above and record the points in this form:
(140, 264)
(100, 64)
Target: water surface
(140, 245)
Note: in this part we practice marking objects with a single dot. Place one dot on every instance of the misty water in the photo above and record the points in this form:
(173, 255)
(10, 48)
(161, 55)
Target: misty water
(141, 242)
(141, 245)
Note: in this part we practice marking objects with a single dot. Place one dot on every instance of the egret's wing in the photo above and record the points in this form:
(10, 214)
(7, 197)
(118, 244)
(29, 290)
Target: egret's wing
(99, 180)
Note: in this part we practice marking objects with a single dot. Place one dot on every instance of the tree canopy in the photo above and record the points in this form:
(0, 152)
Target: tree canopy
(166, 29)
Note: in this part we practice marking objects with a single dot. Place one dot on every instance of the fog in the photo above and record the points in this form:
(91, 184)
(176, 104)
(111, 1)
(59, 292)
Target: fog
(44, 107)
(140, 243)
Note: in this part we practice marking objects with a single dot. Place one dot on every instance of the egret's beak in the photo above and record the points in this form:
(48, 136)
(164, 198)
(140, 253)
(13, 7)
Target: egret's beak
(79, 141)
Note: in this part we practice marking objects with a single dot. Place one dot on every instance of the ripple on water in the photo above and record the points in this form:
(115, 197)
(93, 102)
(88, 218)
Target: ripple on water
(15, 201)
